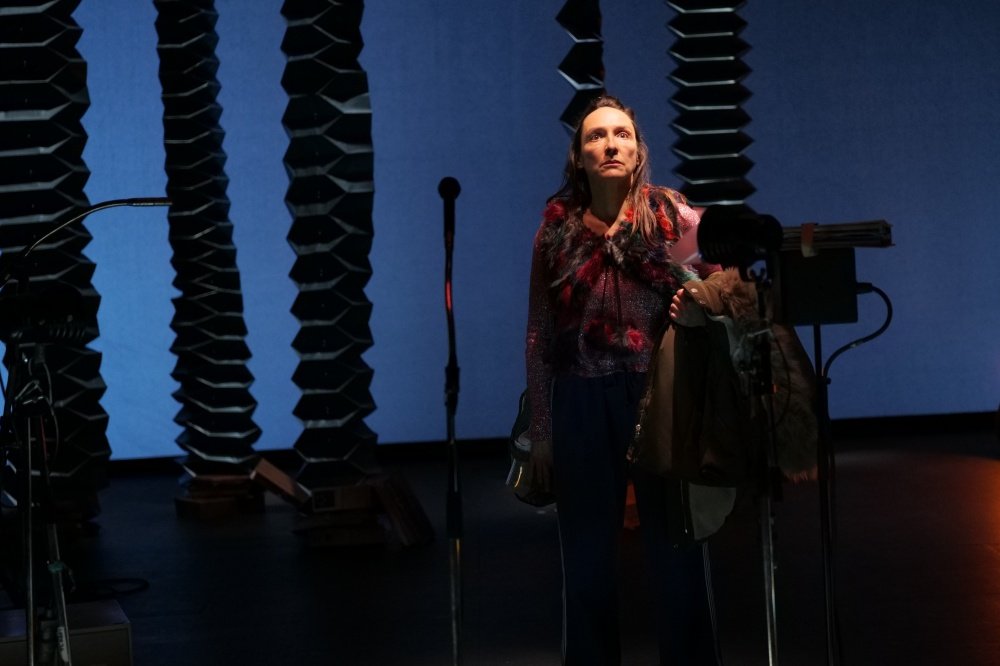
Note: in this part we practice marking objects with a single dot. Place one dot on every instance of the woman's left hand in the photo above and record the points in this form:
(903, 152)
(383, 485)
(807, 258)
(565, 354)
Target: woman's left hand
(685, 312)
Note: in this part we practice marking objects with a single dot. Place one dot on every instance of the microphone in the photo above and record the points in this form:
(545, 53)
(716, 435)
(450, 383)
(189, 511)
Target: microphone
(112, 203)
(48, 316)
(449, 189)
(18, 260)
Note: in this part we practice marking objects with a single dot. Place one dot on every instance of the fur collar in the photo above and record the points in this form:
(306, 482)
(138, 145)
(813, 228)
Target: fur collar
(577, 259)
(576, 256)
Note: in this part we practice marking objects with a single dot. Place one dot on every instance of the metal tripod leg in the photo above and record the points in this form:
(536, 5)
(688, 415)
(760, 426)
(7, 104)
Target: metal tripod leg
(27, 515)
(56, 570)
(825, 465)
(56, 566)
(767, 552)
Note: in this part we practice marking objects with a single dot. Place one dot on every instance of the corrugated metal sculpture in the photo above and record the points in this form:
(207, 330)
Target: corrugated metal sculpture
(330, 166)
(216, 405)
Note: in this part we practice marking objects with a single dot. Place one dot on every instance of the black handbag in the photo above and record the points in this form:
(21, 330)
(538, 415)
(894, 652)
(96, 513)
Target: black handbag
(520, 477)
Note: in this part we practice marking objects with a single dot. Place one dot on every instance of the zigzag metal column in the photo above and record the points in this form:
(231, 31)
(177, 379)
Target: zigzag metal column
(711, 121)
(583, 66)
(330, 165)
(216, 405)
(43, 97)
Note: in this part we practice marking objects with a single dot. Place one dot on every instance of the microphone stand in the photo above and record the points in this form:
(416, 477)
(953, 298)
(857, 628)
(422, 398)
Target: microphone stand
(449, 189)
(29, 402)
(23, 396)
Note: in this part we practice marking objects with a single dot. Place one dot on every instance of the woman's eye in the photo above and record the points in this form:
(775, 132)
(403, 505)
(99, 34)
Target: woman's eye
(623, 134)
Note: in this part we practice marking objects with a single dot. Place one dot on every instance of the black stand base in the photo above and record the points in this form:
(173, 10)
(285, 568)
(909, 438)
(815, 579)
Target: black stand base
(100, 634)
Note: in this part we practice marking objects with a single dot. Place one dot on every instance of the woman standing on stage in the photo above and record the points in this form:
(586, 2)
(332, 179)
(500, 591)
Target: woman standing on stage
(602, 286)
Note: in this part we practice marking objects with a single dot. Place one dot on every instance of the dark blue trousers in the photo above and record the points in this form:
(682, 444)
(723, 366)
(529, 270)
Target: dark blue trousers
(593, 421)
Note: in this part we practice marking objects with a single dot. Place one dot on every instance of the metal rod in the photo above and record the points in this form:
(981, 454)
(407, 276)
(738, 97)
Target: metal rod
(449, 189)
(824, 462)
(770, 488)
(767, 550)
(55, 564)
(29, 553)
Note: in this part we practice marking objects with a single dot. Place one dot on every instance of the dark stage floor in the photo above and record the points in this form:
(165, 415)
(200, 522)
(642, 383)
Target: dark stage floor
(918, 572)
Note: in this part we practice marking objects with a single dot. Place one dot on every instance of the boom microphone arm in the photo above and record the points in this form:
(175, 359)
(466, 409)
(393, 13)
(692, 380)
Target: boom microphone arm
(18, 259)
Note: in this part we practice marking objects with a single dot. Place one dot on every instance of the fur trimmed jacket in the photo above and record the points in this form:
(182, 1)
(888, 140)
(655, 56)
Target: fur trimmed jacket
(698, 420)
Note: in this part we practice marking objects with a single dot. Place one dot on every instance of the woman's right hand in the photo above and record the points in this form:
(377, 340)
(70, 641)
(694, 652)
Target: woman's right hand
(685, 311)
(541, 465)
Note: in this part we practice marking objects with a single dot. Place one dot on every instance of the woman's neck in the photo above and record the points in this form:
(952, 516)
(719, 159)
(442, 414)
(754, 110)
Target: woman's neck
(609, 214)
(608, 203)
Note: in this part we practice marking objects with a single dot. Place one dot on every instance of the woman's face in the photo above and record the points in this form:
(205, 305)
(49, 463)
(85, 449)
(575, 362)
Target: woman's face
(608, 148)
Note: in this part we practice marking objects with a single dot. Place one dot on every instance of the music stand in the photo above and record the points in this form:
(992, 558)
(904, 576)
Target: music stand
(810, 271)
(817, 286)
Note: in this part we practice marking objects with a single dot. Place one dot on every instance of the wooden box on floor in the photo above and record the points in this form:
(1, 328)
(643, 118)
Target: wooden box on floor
(350, 514)
(99, 633)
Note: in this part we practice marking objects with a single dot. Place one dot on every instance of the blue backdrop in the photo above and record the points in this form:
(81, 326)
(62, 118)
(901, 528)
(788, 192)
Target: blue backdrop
(860, 110)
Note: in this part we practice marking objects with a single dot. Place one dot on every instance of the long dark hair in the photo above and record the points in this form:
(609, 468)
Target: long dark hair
(575, 189)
